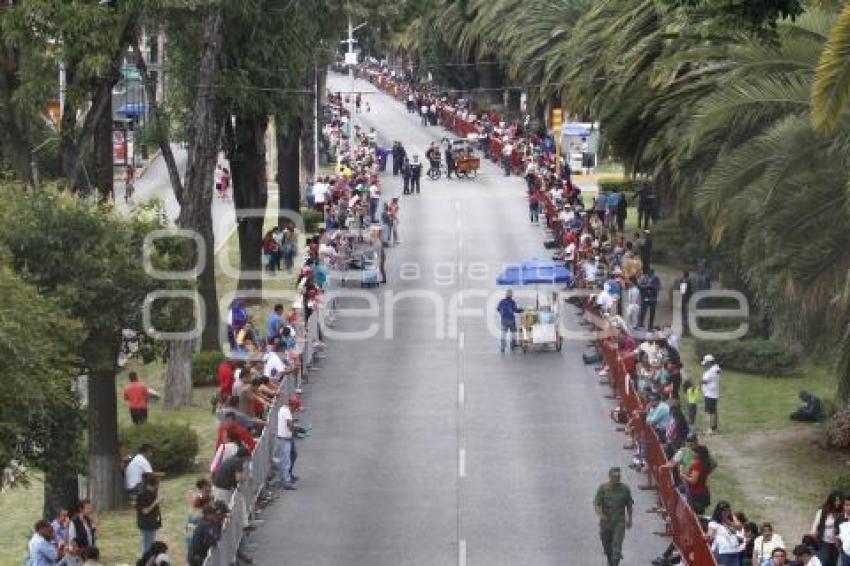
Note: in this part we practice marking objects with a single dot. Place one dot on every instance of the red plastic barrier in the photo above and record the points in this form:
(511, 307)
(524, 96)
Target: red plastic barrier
(682, 524)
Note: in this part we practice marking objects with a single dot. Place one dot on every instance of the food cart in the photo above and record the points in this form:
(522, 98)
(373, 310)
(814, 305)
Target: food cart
(540, 324)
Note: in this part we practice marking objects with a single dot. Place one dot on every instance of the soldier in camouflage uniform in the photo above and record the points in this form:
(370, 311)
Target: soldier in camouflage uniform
(613, 504)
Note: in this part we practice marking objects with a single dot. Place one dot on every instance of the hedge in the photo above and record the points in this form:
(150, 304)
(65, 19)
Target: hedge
(175, 446)
(205, 368)
(312, 220)
(628, 186)
(751, 356)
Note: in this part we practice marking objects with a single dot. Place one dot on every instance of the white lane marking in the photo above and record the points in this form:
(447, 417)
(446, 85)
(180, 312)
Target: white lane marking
(460, 300)
(461, 552)
(461, 463)
(461, 339)
(457, 205)
(461, 394)
(460, 242)
(458, 223)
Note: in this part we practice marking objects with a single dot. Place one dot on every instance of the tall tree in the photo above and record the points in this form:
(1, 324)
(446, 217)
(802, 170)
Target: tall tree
(205, 125)
(42, 421)
(87, 261)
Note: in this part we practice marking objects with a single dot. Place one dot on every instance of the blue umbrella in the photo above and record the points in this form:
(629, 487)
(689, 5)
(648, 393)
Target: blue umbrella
(132, 109)
(535, 272)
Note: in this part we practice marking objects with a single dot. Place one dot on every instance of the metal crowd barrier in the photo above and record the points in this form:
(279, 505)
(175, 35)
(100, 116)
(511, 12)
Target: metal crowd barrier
(244, 499)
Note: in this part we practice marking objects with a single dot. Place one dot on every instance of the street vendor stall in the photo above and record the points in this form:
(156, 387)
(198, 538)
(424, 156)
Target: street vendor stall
(466, 162)
(540, 324)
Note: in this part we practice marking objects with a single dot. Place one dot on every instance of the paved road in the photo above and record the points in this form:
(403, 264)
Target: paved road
(155, 184)
(432, 448)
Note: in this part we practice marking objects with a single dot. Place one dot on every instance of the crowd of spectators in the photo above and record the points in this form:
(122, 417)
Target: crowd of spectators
(590, 237)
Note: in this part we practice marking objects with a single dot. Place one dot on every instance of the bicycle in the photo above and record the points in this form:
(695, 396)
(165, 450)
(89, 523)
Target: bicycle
(435, 171)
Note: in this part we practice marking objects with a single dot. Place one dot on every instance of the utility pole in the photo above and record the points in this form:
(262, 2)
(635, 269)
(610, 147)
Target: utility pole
(350, 61)
(315, 122)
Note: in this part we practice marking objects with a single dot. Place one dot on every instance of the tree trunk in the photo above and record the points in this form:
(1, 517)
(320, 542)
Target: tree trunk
(487, 81)
(101, 99)
(103, 169)
(67, 131)
(204, 132)
(159, 121)
(666, 197)
(14, 121)
(61, 491)
(308, 163)
(288, 132)
(514, 101)
(250, 195)
(323, 87)
(105, 479)
(178, 374)
(62, 461)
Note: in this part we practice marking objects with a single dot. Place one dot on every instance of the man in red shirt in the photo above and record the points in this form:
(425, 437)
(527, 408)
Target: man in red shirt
(231, 424)
(225, 379)
(136, 395)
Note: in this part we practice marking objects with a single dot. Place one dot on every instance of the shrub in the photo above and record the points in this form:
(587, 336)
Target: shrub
(205, 368)
(681, 242)
(750, 356)
(312, 220)
(175, 446)
(838, 432)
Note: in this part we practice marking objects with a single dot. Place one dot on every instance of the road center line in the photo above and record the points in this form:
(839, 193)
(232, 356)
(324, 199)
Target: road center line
(461, 339)
(461, 463)
(461, 552)
(461, 394)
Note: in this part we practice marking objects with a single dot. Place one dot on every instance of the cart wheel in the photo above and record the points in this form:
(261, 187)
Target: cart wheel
(463, 174)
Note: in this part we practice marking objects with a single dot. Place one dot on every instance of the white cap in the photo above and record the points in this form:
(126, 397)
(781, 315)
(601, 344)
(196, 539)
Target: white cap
(708, 359)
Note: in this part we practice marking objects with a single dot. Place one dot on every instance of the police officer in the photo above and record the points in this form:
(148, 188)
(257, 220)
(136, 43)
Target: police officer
(405, 175)
(415, 174)
(613, 504)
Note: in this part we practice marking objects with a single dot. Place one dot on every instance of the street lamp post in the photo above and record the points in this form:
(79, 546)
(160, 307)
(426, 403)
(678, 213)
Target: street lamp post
(350, 61)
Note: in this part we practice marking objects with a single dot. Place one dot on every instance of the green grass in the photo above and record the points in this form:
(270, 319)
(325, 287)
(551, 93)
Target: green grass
(610, 168)
(118, 536)
(769, 466)
(20, 507)
(751, 402)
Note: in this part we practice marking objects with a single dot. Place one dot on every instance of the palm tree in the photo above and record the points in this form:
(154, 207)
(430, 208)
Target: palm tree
(831, 89)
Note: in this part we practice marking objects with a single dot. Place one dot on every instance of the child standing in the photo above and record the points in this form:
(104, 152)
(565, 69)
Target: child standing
(692, 396)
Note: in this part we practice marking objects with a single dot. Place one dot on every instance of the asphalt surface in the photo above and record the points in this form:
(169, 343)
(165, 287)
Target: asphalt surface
(429, 446)
(155, 184)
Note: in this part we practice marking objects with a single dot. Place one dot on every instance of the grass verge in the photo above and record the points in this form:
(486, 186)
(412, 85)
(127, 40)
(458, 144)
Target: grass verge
(118, 538)
(770, 467)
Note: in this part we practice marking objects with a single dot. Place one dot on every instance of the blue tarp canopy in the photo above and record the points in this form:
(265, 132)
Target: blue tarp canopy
(534, 272)
(132, 109)
(577, 129)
